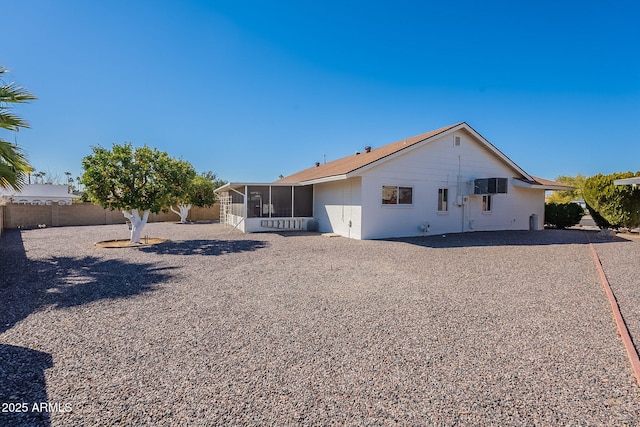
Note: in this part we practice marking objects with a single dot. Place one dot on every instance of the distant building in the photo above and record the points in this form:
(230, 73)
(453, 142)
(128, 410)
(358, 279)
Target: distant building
(39, 194)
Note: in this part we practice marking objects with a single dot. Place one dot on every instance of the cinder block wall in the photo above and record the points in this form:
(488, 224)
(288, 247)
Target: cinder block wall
(1, 219)
(54, 215)
(203, 214)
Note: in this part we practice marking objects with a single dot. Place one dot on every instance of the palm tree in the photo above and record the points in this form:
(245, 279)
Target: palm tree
(14, 167)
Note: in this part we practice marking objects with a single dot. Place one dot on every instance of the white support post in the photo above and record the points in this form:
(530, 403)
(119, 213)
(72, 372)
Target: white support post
(245, 209)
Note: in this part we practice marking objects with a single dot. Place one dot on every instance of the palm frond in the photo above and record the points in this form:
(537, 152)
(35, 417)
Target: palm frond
(10, 121)
(12, 93)
(14, 167)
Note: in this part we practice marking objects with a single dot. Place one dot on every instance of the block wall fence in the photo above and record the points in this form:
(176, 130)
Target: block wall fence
(54, 215)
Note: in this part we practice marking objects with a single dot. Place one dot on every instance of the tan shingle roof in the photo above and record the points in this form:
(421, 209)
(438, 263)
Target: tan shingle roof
(550, 183)
(553, 184)
(354, 162)
(541, 183)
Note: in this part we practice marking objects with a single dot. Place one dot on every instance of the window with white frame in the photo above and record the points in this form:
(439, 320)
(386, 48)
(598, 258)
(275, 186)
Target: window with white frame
(443, 199)
(396, 195)
(487, 203)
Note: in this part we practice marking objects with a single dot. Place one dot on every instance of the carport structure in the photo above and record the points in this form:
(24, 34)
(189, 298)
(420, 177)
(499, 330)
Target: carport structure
(627, 181)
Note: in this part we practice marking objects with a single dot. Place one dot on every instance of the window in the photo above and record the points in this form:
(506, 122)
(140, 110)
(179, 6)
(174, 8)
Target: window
(443, 199)
(405, 195)
(486, 203)
(393, 195)
(490, 186)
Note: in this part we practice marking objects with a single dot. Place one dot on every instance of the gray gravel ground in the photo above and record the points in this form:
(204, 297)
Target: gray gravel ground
(620, 259)
(504, 328)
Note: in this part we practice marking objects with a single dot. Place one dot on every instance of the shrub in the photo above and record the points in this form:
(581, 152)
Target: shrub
(562, 215)
(618, 205)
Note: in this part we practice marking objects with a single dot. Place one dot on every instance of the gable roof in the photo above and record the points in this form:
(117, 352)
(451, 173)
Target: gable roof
(341, 168)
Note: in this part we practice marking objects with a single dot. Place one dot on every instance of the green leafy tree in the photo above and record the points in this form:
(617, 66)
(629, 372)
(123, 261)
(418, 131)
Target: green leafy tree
(14, 167)
(612, 205)
(567, 196)
(136, 181)
(213, 177)
(199, 192)
(562, 215)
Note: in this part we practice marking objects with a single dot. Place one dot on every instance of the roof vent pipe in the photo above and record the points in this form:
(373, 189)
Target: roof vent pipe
(367, 149)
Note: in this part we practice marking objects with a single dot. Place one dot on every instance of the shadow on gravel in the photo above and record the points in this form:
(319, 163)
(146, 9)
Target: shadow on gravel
(205, 247)
(23, 390)
(509, 238)
(27, 286)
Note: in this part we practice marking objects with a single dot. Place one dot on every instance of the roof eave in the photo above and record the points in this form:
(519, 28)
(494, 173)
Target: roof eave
(456, 128)
(538, 186)
(233, 185)
(402, 151)
(326, 179)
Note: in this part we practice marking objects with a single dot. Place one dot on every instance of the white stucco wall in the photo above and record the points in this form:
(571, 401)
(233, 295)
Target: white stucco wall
(440, 164)
(338, 207)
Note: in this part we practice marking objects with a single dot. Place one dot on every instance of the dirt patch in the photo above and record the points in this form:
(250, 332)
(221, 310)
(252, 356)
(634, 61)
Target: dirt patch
(126, 243)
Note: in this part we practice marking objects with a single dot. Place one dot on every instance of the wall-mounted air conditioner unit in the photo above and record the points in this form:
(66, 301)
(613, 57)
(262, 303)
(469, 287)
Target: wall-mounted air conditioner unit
(490, 186)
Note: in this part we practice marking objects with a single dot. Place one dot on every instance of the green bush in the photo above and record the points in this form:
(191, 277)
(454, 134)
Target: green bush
(618, 205)
(562, 215)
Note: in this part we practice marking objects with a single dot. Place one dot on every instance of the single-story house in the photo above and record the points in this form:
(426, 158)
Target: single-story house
(39, 194)
(449, 180)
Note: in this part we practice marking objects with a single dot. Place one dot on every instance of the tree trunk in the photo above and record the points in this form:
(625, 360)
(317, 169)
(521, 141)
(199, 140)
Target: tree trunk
(184, 211)
(137, 223)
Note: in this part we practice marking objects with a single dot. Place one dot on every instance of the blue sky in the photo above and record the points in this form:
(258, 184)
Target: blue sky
(255, 89)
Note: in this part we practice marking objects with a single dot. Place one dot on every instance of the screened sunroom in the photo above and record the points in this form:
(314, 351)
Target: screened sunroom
(266, 207)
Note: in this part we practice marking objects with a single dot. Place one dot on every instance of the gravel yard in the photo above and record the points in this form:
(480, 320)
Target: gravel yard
(211, 328)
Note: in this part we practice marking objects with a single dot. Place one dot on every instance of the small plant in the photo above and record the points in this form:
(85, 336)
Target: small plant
(562, 215)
